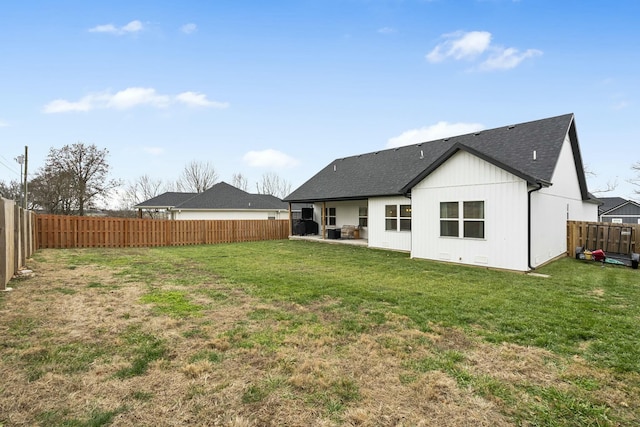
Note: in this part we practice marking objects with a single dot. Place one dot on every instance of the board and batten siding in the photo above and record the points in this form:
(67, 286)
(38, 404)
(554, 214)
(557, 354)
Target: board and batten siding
(248, 214)
(465, 177)
(553, 206)
(378, 236)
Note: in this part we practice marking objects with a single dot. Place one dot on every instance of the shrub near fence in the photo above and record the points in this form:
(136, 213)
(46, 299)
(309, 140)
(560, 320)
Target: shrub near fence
(16, 239)
(57, 231)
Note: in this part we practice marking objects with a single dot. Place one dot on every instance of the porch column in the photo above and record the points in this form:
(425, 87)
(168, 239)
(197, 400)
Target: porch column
(324, 209)
(290, 220)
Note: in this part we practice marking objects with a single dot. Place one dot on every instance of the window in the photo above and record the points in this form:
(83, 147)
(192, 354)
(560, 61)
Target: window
(391, 217)
(363, 216)
(449, 219)
(472, 219)
(329, 216)
(397, 215)
(405, 217)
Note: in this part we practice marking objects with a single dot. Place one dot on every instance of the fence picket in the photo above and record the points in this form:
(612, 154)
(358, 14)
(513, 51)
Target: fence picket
(56, 231)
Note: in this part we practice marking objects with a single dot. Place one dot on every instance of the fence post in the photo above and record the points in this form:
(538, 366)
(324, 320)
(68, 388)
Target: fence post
(7, 248)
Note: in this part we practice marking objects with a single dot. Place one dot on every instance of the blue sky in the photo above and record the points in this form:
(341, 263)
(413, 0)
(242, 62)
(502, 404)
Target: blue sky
(288, 86)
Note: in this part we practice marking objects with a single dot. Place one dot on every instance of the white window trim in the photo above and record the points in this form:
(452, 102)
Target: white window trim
(461, 220)
(398, 218)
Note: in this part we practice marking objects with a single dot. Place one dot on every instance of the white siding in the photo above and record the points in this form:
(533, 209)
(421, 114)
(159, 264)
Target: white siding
(230, 214)
(378, 236)
(553, 206)
(465, 177)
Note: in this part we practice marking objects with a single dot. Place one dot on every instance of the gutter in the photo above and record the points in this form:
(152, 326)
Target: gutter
(529, 224)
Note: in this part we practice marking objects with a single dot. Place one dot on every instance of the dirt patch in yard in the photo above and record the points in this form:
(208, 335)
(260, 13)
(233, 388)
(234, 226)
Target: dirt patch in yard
(77, 344)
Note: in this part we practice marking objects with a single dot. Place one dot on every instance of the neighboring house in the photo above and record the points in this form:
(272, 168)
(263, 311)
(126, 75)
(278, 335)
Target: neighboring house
(619, 211)
(496, 198)
(163, 203)
(221, 201)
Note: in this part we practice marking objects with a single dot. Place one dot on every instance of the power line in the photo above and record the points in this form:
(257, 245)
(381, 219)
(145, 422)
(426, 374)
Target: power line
(6, 166)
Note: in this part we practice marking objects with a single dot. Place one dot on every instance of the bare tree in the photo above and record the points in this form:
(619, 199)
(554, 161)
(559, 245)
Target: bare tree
(636, 181)
(73, 179)
(610, 186)
(143, 188)
(272, 184)
(197, 177)
(240, 181)
(11, 191)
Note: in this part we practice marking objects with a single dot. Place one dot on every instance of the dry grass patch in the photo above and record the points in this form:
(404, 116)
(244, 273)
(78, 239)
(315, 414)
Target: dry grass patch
(97, 354)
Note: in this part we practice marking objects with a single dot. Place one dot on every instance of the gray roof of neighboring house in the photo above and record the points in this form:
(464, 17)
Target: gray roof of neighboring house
(395, 171)
(165, 201)
(609, 203)
(225, 196)
(619, 206)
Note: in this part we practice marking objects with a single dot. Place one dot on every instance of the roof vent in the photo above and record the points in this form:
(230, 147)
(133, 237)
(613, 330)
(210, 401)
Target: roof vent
(535, 154)
(511, 127)
(477, 133)
(421, 154)
(445, 139)
(334, 168)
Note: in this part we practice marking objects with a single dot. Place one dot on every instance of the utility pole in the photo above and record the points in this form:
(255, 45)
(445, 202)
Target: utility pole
(26, 158)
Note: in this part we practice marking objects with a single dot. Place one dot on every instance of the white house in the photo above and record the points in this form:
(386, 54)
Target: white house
(221, 201)
(497, 198)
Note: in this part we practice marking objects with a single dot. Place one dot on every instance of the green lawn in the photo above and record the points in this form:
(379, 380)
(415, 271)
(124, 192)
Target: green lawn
(582, 323)
(581, 309)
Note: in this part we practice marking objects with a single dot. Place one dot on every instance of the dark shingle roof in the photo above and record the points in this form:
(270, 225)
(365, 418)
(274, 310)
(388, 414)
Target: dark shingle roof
(165, 200)
(609, 203)
(225, 196)
(396, 171)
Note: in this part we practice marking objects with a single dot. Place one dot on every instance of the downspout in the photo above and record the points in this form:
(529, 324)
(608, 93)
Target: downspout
(529, 224)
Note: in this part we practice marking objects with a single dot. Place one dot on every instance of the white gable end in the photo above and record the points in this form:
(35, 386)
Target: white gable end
(467, 178)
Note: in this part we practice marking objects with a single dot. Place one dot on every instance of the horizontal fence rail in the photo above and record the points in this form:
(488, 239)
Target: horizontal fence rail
(57, 231)
(611, 238)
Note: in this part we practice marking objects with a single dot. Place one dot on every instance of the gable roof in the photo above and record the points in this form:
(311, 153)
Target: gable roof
(165, 201)
(226, 196)
(609, 203)
(395, 171)
(623, 206)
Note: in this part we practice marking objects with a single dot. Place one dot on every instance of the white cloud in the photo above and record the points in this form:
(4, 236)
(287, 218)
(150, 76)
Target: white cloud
(620, 105)
(195, 99)
(135, 96)
(130, 98)
(269, 159)
(504, 59)
(189, 28)
(386, 30)
(155, 151)
(433, 132)
(132, 27)
(471, 45)
(64, 106)
(460, 45)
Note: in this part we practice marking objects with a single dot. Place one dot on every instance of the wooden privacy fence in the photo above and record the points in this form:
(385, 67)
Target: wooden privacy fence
(56, 231)
(611, 238)
(17, 241)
